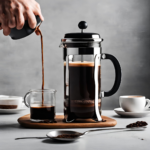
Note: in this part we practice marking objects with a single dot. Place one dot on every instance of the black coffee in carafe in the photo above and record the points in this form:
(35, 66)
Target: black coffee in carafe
(82, 89)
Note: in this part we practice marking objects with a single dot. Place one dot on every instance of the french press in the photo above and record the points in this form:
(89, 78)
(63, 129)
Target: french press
(82, 54)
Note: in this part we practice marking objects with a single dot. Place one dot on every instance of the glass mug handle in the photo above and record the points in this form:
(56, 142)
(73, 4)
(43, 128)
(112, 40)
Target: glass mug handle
(26, 98)
(117, 73)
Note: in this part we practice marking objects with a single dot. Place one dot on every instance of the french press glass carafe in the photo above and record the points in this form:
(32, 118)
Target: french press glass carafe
(82, 54)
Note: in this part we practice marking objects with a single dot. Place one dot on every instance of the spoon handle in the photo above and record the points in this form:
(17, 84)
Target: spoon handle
(106, 129)
(30, 138)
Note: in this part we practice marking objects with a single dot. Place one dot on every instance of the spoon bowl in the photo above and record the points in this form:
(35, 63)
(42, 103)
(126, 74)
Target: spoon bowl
(54, 135)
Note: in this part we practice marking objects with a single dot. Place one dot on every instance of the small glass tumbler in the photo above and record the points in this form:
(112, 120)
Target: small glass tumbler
(41, 104)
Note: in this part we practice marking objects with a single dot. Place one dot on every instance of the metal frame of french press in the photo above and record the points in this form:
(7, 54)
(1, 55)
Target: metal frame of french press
(89, 46)
(68, 55)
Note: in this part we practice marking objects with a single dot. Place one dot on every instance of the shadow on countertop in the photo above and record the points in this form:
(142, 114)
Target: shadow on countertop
(11, 125)
(50, 141)
(124, 117)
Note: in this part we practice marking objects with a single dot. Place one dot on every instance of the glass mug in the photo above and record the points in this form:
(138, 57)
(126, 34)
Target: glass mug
(41, 104)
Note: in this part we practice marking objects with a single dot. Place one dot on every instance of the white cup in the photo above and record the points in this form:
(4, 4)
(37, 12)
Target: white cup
(133, 103)
(10, 102)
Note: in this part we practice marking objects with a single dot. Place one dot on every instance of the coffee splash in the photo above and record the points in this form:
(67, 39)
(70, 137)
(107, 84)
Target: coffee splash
(38, 32)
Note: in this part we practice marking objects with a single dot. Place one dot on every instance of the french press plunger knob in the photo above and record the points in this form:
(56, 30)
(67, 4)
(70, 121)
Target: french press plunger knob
(82, 25)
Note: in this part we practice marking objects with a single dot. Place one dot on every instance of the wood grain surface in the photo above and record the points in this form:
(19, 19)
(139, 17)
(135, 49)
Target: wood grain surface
(24, 121)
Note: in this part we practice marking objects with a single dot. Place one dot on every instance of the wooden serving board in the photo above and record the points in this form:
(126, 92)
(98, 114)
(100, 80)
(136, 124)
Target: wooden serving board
(88, 123)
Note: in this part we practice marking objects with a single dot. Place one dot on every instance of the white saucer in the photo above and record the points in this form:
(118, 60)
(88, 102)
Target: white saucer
(121, 112)
(12, 111)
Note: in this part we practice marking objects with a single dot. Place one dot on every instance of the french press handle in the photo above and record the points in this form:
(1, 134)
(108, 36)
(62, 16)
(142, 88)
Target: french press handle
(117, 74)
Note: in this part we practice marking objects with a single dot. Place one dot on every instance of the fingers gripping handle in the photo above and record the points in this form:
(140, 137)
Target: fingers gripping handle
(117, 72)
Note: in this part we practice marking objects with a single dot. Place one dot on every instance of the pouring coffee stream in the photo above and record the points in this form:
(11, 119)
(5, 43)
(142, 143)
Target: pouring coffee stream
(37, 30)
(16, 34)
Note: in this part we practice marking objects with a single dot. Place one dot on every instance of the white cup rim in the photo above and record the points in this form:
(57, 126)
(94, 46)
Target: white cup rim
(132, 96)
(11, 98)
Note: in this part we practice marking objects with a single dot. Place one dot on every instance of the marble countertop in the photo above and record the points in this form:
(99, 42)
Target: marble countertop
(102, 140)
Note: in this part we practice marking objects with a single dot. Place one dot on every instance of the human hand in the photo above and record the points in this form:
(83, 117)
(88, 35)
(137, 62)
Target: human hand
(13, 13)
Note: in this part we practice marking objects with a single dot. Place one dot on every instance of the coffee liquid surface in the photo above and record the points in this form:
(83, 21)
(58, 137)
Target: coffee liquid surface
(39, 31)
(82, 90)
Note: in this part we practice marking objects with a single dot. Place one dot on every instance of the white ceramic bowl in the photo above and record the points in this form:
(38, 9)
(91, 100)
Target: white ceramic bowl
(10, 102)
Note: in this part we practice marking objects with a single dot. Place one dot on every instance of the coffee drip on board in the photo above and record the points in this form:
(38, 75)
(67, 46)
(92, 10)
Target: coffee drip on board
(38, 31)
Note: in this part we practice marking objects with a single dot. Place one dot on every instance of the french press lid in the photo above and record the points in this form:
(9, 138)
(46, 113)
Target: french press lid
(82, 39)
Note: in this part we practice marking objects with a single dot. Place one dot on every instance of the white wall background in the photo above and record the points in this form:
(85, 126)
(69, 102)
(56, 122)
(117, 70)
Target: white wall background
(124, 25)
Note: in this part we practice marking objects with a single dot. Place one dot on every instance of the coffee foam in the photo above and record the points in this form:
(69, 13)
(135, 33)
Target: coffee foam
(40, 106)
(133, 96)
(81, 64)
